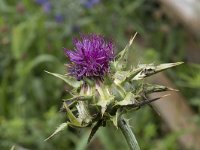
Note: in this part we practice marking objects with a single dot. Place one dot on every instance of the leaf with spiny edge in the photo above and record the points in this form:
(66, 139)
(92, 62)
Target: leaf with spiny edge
(105, 97)
(151, 88)
(71, 116)
(121, 58)
(121, 77)
(83, 113)
(62, 127)
(150, 69)
(132, 74)
(71, 102)
(59, 129)
(103, 104)
(68, 79)
(115, 118)
(128, 100)
(144, 102)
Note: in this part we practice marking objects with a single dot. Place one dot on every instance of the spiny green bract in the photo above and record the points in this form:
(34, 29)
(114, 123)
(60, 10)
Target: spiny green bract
(98, 101)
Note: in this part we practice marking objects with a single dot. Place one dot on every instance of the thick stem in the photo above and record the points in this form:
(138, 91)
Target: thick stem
(128, 133)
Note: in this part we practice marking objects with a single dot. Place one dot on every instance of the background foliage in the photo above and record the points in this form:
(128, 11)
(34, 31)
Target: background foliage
(32, 37)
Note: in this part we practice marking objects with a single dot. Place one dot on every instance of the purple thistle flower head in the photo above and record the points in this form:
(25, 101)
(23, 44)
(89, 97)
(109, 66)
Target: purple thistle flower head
(91, 57)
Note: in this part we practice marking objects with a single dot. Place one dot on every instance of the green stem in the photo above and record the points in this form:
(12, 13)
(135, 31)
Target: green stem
(128, 133)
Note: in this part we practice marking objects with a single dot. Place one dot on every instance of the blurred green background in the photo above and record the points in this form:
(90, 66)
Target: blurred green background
(32, 36)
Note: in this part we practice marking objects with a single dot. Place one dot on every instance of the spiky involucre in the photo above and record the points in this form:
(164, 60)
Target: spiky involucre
(91, 57)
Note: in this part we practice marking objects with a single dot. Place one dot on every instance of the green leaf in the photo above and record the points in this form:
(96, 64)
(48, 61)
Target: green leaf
(71, 116)
(94, 129)
(105, 97)
(120, 76)
(151, 69)
(103, 105)
(83, 113)
(121, 58)
(128, 100)
(69, 80)
(151, 88)
(139, 104)
(123, 76)
(71, 102)
(115, 118)
(60, 128)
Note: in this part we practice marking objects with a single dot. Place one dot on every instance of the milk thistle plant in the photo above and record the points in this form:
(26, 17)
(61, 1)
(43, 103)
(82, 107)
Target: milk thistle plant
(104, 88)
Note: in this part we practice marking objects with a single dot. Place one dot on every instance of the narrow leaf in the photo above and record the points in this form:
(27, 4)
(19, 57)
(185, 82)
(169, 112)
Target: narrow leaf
(60, 128)
(150, 69)
(145, 102)
(71, 116)
(121, 58)
(151, 88)
(69, 80)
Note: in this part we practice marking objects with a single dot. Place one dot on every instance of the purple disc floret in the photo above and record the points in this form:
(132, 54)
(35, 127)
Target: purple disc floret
(91, 57)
